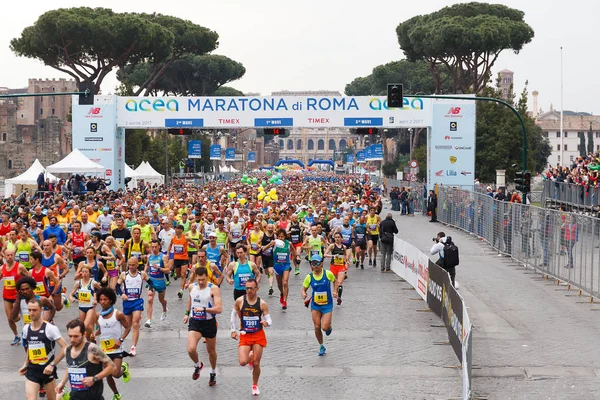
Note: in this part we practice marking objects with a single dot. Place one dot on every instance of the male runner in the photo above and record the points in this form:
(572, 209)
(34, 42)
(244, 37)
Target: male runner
(156, 270)
(373, 222)
(250, 314)
(203, 304)
(10, 273)
(238, 272)
(179, 246)
(360, 241)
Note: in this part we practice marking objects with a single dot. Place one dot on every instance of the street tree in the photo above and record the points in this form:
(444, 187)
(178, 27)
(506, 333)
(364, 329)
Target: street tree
(464, 40)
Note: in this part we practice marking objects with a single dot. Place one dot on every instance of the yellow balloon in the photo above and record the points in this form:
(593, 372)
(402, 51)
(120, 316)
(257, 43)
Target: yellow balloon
(261, 196)
(261, 189)
(274, 197)
(243, 201)
(272, 192)
(232, 195)
(267, 199)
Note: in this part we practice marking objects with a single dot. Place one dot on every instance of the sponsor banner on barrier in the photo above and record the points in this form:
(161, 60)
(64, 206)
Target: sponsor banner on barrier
(437, 280)
(410, 264)
(452, 315)
(467, 360)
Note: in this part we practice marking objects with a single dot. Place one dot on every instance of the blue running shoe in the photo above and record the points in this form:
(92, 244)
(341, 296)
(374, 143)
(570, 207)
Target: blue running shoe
(322, 350)
(328, 331)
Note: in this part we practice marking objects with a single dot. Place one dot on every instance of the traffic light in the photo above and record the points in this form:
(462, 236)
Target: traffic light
(279, 132)
(523, 181)
(367, 131)
(89, 90)
(180, 131)
(394, 95)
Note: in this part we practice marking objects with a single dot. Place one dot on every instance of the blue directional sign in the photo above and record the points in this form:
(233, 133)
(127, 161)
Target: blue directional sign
(215, 152)
(349, 158)
(377, 151)
(252, 157)
(184, 123)
(360, 156)
(363, 121)
(369, 153)
(230, 154)
(195, 149)
(273, 121)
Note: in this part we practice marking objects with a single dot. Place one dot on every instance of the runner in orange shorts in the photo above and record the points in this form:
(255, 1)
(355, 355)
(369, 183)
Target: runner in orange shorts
(340, 259)
(251, 315)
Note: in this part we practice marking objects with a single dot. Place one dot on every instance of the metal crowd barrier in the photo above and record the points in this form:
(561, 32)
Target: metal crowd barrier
(556, 194)
(562, 244)
(418, 188)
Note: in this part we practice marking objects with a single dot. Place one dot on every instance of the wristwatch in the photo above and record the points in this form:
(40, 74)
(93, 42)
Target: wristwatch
(96, 378)
(121, 340)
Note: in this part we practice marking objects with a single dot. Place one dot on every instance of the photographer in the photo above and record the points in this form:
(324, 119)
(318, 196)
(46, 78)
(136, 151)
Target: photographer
(443, 243)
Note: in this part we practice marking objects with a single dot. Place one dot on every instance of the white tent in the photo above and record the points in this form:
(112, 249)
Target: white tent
(27, 180)
(76, 163)
(148, 174)
(130, 173)
(224, 169)
(232, 169)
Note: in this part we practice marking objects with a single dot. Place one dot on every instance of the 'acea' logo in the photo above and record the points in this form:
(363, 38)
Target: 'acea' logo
(414, 104)
(158, 105)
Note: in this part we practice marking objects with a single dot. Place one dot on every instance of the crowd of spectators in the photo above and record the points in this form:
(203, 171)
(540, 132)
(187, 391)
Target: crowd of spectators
(583, 171)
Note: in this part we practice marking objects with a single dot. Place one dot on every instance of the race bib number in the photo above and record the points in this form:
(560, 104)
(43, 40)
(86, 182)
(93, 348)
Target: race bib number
(251, 323)
(282, 258)
(295, 238)
(338, 260)
(178, 249)
(9, 282)
(254, 246)
(23, 257)
(315, 253)
(78, 252)
(372, 227)
(108, 344)
(26, 319)
(320, 298)
(40, 289)
(198, 313)
(244, 278)
(136, 254)
(76, 377)
(110, 265)
(236, 234)
(133, 293)
(37, 353)
(105, 227)
(84, 297)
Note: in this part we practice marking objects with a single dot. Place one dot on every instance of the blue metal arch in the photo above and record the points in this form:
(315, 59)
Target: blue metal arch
(289, 162)
(310, 164)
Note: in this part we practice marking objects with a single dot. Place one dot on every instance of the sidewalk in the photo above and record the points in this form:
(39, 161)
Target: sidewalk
(532, 339)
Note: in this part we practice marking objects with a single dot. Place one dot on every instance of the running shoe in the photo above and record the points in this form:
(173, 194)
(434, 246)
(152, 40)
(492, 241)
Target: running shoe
(328, 331)
(280, 299)
(213, 379)
(66, 395)
(271, 291)
(356, 264)
(354, 260)
(168, 283)
(163, 316)
(284, 305)
(132, 351)
(16, 341)
(297, 271)
(66, 300)
(148, 324)
(370, 262)
(255, 391)
(116, 396)
(374, 263)
(126, 373)
(262, 271)
(339, 301)
(322, 350)
(197, 370)
(180, 294)
(362, 266)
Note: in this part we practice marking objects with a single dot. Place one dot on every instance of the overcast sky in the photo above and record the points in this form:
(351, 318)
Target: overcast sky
(325, 44)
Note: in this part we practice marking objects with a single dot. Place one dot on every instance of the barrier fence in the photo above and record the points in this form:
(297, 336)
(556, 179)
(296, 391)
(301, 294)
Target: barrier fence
(419, 195)
(560, 244)
(570, 194)
(433, 284)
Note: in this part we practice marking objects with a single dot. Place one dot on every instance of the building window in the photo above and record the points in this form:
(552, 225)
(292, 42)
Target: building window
(41, 111)
(9, 164)
(53, 111)
(41, 99)
(565, 147)
(558, 158)
(558, 147)
(557, 134)
(22, 116)
(597, 135)
(299, 144)
(331, 145)
(4, 137)
(321, 144)
(54, 99)
(281, 144)
(290, 144)
(566, 134)
(545, 134)
(311, 144)
(571, 158)
(597, 147)
(343, 144)
(54, 89)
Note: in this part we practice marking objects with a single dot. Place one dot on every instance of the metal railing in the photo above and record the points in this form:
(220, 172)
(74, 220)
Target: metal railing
(418, 203)
(556, 194)
(561, 244)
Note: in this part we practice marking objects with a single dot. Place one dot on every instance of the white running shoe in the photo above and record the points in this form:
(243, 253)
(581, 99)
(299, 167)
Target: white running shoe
(148, 324)
(163, 316)
(132, 351)
(255, 391)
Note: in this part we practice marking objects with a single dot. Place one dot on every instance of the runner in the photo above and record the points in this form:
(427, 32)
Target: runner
(321, 298)
(133, 302)
(85, 289)
(282, 255)
(43, 277)
(25, 245)
(254, 240)
(266, 254)
(236, 231)
(314, 243)
(179, 245)
(373, 222)
(112, 265)
(113, 328)
(156, 270)
(339, 262)
(203, 304)
(136, 247)
(87, 365)
(215, 276)
(97, 270)
(10, 273)
(193, 236)
(214, 253)
(238, 272)
(25, 292)
(296, 229)
(76, 243)
(359, 232)
(41, 356)
(251, 315)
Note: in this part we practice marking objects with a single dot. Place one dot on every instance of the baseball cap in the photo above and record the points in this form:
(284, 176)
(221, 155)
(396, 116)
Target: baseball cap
(212, 234)
(316, 257)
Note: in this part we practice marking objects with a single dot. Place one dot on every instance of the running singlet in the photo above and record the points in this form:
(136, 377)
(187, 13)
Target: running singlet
(200, 298)
(40, 344)
(241, 274)
(221, 239)
(321, 288)
(346, 233)
(360, 231)
(255, 242)
(133, 286)
(250, 316)
(265, 242)
(282, 254)
(135, 250)
(110, 332)
(85, 294)
(193, 238)
(80, 368)
(180, 248)
(155, 262)
(236, 232)
(23, 253)
(9, 279)
(214, 255)
(373, 225)
(338, 255)
(316, 246)
(295, 234)
(40, 282)
(78, 242)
